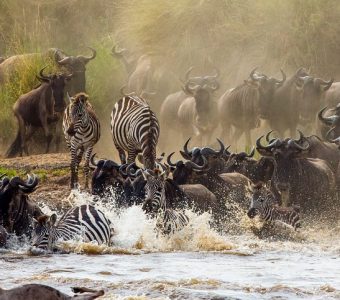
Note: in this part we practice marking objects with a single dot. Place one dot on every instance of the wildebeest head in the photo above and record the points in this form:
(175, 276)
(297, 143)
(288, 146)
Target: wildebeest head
(331, 121)
(284, 154)
(14, 210)
(208, 82)
(260, 199)
(77, 66)
(185, 172)
(106, 173)
(42, 229)
(266, 87)
(313, 90)
(57, 83)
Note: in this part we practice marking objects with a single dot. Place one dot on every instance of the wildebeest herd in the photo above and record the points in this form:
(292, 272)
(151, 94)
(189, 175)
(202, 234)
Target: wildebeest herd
(291, 176)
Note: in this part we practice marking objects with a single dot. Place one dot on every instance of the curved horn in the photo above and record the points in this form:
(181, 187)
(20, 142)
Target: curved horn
(29, 185)
(283, 78)
(65, 61)
(268, 139)
(326, 84)
(297, 146)
(208, 150)
(271, 145)
(187, 73)
(185, 147)
(301, 137)
(196, 167)
(252, 152)
(253, 75)
(42, 76)
(86, 59)
(115, 50)
(328, 121)
(217, 73)
(129, 170)
(169, 160)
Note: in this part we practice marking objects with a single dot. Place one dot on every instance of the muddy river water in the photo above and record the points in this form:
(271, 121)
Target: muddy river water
(197, 263)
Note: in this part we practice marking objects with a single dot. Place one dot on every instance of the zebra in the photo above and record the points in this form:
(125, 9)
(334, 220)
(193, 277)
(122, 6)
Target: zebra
(82, 131)
(135, 129)
(263, 204)
(85, 221)
(157, 204)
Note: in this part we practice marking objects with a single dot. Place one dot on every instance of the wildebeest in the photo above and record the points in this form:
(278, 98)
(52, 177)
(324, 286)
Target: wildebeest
(242, 107)
(16, 209)
(256, 170)
(44, 292)
(332, 95)
(197, 113)
(307, 182)
(312, 98)
(75, 65)
(40, 107)
(283, 113)
(329, 122)
(128, 60)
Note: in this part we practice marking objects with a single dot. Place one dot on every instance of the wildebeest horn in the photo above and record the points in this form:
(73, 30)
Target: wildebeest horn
(185, 148)
(326, 84)
(189, 89)
(196, 167)
(283, 78)
(86, 59)
(301, 137)
(115, 50)
(268, 139)
(329, 121)
(29, 185)
(42, 76)
(122, 169)
(253, 76)
(271, 145)
(168, 160)
(297, 146)
(207, 150)
(129, 170)
(217, 73)
(69, 98)
(65, 61)
(252, 152)
(187, 73)
(125, 94)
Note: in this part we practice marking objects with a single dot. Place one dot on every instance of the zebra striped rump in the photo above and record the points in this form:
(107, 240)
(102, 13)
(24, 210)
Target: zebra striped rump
(83, 221)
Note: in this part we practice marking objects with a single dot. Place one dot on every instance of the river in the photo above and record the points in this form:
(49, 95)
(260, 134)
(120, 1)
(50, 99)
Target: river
(196, 263)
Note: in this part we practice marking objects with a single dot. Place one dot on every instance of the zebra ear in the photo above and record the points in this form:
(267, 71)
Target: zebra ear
(53, 219)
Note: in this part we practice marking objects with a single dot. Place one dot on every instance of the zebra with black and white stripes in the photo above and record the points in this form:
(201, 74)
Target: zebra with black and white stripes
(135, 129)
(264, 205)
(169, 220)
(82, 131)
(83, 221)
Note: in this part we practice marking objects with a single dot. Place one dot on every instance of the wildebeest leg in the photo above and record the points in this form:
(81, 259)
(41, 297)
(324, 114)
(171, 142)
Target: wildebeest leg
(88, 153)
(58, 133)
(48, 134)
(28, 136)
(22, 129)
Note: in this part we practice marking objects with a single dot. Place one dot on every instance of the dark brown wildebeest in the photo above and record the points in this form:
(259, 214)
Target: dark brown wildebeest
(329, 122)
(283, 114)
(16, 210)
(312, 99)
(197, 113)
(44, 292)
(75, 65)
(320, 149)
(307, 182)
(40, 107)
(256, 170)
(242, 107)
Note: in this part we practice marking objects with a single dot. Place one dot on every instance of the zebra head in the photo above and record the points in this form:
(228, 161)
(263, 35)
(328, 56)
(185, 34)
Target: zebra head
(43, 229)
(155, 199)
(79, 109)
(261, 199)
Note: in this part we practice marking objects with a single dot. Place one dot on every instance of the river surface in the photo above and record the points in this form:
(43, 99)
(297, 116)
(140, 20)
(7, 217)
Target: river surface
(196, 263)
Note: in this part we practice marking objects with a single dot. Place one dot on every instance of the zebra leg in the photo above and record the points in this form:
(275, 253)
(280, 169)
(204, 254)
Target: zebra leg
(131, 156)
(122, 155)
(88, 153)
(76, 155)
